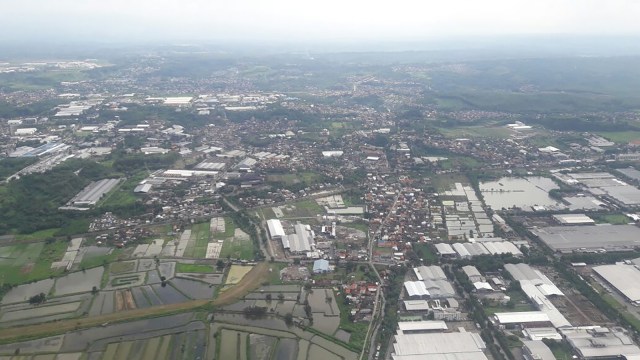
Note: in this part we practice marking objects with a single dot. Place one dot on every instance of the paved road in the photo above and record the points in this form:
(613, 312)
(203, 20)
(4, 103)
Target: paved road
(381, 302)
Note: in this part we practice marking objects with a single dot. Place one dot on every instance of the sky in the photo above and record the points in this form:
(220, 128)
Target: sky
(310, 20)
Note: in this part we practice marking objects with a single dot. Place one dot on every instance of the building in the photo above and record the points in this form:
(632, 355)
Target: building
(421, 327)
(524, 319)
(445, 250)
(142, 188)
(595, 342)
(567, 239)
(472, 273)
(538, 287)
(416, 290)
(624, 278)
(574, 219)
(246, 164)
(536, 350)
(299, 242)
(455, 345)
(93, 192)
(275, 229)
(321, 266)
(434, 281)
(25, 131)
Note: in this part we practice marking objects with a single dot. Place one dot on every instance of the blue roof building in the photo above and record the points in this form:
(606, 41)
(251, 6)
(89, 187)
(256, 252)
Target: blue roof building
(320, 266)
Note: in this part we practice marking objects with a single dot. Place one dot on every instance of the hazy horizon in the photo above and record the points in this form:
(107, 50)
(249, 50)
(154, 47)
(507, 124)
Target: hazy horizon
(288, 21)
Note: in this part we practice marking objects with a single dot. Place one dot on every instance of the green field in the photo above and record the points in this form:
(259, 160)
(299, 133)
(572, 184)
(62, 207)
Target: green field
(444, 182)
(122, 267)
(362, 226)
(614, 219)
(197, 247)
(358, 330)
(424, 252)
(21, 254)
(290, 179)
(621, 136)
(304, 208)
(236, 248)
(194, 268)
(229, 229)
(31, 262)
(94, 261)
(122, 195)
(38, 235)
(475, 131)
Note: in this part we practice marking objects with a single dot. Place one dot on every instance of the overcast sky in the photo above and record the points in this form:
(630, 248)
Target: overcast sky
(308, 20)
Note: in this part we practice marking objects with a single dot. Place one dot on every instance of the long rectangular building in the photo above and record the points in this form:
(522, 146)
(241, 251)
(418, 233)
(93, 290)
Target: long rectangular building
(590, 238)
(275, 229)
(439, 346)
(625, 278)
(93, 192)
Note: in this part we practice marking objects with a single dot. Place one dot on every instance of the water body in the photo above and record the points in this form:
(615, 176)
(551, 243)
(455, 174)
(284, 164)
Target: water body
(523, 193)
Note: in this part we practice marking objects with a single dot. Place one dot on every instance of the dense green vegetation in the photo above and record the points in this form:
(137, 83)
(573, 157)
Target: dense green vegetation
(10, 166)
(30, 203)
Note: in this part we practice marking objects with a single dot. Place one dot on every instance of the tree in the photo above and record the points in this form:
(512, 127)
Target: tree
(94, 290)
(288, 319)
(281, 297)
(268, 297)
(220, 264)
(38, 299)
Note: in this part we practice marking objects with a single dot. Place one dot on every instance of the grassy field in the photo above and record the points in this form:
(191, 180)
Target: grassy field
(362, 226)
(34, 267)
(621, 136)
(194, 268)
(614, 219)
(634, 321)
(123, 194)
(21, 254)
(229, 229)
(237, 248)
(122, 267)
(267, 213)
(197, 247)
(475, 131)
(94, 261)
(445, 182)
(304, 208)
(38, 235)
(290, 179)
(561, 350)
(358, 330)
(424, 251)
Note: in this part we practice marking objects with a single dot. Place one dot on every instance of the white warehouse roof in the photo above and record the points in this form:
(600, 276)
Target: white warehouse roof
(416, 288)
(625, 278)
(461, 345)
(521, 317)
(424, 325)
(445, 249)
(275, 228)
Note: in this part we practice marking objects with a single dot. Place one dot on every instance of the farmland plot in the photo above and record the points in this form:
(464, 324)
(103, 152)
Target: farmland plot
(77, 282)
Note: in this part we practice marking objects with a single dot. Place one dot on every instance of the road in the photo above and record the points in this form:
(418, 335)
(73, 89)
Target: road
(381, 302)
